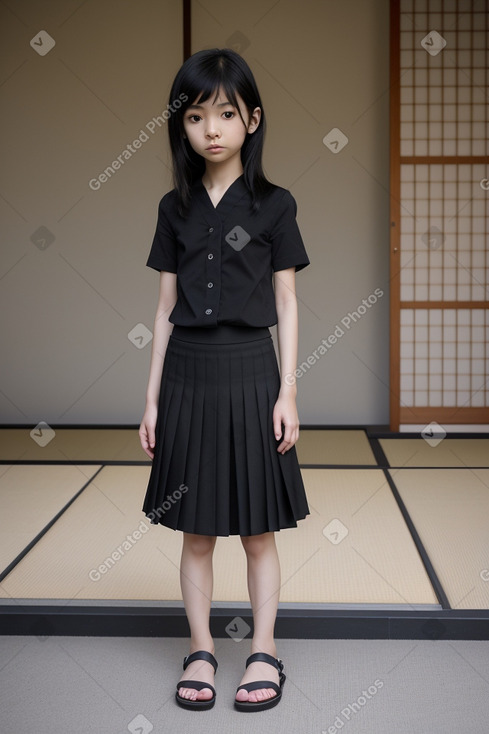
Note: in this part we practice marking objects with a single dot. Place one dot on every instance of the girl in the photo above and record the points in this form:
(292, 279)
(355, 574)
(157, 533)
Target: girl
(227, 246)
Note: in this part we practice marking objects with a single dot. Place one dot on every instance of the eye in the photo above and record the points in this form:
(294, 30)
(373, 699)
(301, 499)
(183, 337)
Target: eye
(191, 116)
(228, 112)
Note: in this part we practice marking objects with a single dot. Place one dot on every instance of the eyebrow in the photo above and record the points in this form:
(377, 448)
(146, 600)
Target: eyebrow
(201, 107)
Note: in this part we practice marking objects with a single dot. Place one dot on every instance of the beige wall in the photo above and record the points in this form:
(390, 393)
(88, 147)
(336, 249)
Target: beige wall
(69, 305)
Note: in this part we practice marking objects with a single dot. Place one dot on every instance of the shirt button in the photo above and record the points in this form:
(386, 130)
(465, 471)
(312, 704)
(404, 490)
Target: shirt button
(208, 311)
(209, 285)
(211, 229)
(210, 256)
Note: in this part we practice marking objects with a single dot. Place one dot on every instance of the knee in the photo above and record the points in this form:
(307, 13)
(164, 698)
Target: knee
(199, 545)
(256, 545)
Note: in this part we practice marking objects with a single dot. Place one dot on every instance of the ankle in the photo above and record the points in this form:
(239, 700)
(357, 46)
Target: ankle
(267, 646)
(207, 645)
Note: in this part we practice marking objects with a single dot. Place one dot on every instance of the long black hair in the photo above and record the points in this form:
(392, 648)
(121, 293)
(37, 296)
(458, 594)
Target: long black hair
(202, 74)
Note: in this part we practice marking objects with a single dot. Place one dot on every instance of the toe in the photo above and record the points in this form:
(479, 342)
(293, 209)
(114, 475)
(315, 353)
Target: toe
(204, 694)
(258, 671)
(262, 694)
(188, 693)
(259, 694)
(242, 695)
(196, 670)
(193, 695)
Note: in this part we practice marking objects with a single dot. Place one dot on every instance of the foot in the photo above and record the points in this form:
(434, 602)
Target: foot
(259, 671)
(198, 670)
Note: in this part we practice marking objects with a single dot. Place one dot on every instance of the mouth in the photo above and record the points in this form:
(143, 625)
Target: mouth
(215, 147)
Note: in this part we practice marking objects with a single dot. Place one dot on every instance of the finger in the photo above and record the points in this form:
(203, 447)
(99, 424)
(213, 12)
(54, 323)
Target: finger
(145, 445)
(287, 434)
(143, 440)
(287, 443)
(283, 447)
(277, 427)
(290, 433)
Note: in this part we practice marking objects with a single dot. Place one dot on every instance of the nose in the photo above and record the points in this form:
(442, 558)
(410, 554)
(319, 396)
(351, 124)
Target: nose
(212, 129)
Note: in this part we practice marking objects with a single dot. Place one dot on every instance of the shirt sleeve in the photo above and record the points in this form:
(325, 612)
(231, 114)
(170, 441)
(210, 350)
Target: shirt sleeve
(288, 248)
(163, 253)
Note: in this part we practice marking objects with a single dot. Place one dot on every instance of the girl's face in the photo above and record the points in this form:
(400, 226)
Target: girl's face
(218, 123)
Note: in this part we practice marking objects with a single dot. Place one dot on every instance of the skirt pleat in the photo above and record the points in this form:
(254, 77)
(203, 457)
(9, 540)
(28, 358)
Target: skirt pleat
(216, 469)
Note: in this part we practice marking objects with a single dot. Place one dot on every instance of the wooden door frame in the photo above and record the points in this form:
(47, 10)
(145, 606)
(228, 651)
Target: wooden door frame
(405, 414)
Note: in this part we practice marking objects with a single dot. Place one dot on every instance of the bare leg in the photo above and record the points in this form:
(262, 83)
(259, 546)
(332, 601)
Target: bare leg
(264, 590)
(196, 581)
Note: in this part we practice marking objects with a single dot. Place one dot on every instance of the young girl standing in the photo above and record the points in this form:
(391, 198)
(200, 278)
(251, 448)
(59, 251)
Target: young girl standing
(221, 422)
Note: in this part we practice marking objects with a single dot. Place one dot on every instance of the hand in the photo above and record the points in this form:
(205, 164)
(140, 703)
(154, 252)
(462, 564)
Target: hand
(285, 411)
(147, 430)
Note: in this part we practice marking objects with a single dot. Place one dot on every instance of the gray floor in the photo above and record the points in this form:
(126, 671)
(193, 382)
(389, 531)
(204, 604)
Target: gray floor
(78, 685)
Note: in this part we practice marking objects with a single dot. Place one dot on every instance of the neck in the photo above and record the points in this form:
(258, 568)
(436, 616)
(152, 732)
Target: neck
(220, 175)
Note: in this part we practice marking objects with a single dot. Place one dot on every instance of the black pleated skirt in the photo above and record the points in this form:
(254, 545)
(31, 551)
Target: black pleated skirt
(216, 469)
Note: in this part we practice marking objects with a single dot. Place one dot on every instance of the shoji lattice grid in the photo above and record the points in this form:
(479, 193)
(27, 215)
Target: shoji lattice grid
(444, 233)
(444, 357)
(444, 204)
(444, 93)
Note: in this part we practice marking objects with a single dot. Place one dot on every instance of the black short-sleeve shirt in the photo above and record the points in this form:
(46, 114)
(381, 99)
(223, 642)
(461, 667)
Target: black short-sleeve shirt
(224, 256)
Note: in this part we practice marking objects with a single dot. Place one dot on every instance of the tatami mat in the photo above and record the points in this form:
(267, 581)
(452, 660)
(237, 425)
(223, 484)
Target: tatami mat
(376, 562)
(354, 549)
(337, 447)
(72, 444)
(122, 444)
(416, 452)
(30, 496)
(453, 525)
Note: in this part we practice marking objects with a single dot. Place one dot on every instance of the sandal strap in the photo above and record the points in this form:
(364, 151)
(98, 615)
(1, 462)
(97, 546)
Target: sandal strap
(264, 657)
(197, 684)
(259, 684)
(200, 655)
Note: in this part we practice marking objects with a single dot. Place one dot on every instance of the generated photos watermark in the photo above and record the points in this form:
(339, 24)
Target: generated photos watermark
(351, 318)
(130, 541)
(351, 709)
(237, 629)
(140, 725)
(433, 434)
(335, 531)
(42, 43)
(131, 148)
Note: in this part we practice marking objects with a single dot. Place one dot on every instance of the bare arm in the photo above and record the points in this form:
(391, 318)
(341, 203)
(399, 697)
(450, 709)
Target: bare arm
(161, 334)
(285, 410)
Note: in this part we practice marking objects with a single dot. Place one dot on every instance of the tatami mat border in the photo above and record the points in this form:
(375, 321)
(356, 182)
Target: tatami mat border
(4, 572)
(373, 434)
(44, 622)
(216, 604)
(430, 570)
(375, 430)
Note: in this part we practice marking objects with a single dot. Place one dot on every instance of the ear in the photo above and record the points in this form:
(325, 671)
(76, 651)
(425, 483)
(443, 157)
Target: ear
(255, 120)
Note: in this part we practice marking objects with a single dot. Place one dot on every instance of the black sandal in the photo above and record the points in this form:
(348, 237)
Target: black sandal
(197, 684)
(269, 702)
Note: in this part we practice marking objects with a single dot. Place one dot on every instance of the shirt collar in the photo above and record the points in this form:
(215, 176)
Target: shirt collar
(233, 194)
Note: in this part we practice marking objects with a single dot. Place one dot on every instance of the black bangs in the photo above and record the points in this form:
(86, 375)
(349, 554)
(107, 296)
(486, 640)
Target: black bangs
(212, 88)
(198, 79)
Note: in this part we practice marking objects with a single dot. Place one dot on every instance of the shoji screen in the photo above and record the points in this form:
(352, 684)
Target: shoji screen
(439, 212)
